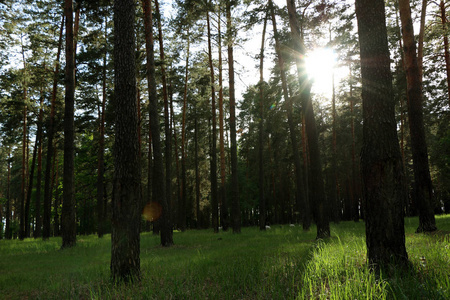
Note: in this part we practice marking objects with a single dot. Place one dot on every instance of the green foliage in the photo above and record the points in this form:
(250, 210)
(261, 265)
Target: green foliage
(281, 263)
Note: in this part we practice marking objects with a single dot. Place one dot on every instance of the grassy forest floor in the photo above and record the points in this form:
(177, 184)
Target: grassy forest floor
(283, 263)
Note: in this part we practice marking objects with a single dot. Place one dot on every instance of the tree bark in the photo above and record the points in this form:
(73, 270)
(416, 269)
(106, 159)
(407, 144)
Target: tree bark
(125, 248)
(381, 164)
(423, 188)
(159, 190)
(213, 160)
(236, 210)
(68, 225)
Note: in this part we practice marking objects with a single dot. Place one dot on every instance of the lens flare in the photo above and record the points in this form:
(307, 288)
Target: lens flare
(152, 211)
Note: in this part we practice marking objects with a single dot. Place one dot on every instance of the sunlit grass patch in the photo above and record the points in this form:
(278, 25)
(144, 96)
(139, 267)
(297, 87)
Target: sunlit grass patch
(282, 263)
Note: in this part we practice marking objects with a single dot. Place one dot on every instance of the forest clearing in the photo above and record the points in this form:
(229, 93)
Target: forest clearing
(283, 262)
(149, 122)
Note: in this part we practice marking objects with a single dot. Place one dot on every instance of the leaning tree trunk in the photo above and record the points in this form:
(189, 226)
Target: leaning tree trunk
(125, 247)
(68, 224)
(159, 191)
(381, 164)
(213, 159)
(423, 188)
(236, 210)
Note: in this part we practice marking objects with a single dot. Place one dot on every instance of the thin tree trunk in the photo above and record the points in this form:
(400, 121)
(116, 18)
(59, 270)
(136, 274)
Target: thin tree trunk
(177, 160)
(381, 165)
(168, 133)
(300, 190)
(223, 201)
(24, 154)
(55, 178)
(51, 129)
(213, 161)
(159, 190)
(68, 225)
(182, 204)
(236, 210)
(422, 180)
(262, 201)
(423, 15)
(8, 233)
(37, 230)
(30, 183)
(320, 207)
(197, 174)
(101, 146)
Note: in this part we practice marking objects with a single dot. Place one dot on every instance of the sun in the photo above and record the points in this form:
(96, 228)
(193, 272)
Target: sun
(320, 66)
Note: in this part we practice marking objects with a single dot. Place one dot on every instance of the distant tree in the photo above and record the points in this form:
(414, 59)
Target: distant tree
(125, 248)
(381, 163)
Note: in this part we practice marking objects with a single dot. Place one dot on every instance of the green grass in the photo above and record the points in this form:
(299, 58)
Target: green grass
(282, 263)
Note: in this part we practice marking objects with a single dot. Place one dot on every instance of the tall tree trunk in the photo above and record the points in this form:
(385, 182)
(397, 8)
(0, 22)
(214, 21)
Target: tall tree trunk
(30, 181)
(55, 178)
(236, 210)
(68, 225)
(182, 204)
(51, 129)
(8, 233)
(213, 161)
(262, 200)
(37, 231)
(320, 207)
(300, 190)
(177, 160)
(168, 133)
(423, 188)
(23, 194)
(446, 45)
(101, 146)
(381, 164)
(159, 190)
(197, 173)
(223, 201)
(125, 248)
